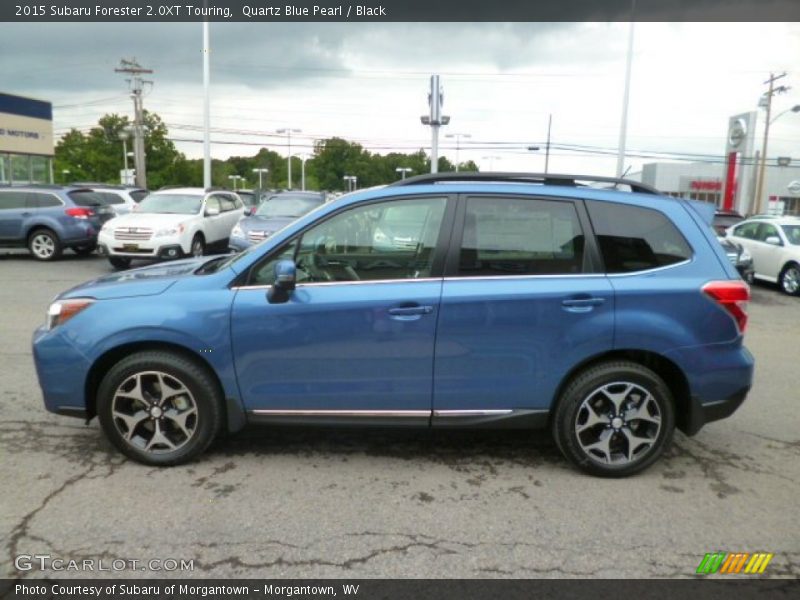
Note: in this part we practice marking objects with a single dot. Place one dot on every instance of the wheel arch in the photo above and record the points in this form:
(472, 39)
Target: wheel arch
(232, 414)
(671, 373)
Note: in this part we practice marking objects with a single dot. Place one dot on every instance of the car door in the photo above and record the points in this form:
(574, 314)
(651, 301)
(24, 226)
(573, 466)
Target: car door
(522, 303)
(13, 211)
(746, 234)
(213, 225)
(767, 256)
(356, 337)
(232, 211)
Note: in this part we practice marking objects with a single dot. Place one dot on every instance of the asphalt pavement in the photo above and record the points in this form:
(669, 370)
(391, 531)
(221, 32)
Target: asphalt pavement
(272, 503)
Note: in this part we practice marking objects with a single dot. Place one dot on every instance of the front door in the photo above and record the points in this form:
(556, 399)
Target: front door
(356, 337)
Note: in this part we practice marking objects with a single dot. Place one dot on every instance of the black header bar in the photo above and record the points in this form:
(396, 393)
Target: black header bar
(324, 11)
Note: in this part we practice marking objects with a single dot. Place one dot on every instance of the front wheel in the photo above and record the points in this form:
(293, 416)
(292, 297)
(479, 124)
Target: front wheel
(159, 408)
(614, 419)
(119, 262)
(790, 280)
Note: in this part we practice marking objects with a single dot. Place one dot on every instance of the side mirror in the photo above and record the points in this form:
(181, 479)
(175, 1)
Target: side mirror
(774, 240)
(212, 212)
(285, 280)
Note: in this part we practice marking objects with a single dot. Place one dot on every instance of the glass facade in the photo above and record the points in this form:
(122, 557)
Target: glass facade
(25, 168)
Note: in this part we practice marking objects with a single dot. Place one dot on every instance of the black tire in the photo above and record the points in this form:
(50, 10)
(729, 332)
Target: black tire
(789, 279)
(200, 391)
(84, 250)
(585, 400)
(44, 244)
(119, 262)
(198, 247)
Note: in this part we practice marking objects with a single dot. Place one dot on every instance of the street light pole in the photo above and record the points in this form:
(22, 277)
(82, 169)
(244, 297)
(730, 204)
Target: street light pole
(260, 173)
(303, 157)
(491, 160)
(403, 171)
(761, 169)
(458, 137)
(289, 131)
(547, 147)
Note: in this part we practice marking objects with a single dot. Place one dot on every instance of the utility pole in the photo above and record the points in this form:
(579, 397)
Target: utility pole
(206, 107)
(136, 84)
(761, 169)
(289, 131)
(435, 119)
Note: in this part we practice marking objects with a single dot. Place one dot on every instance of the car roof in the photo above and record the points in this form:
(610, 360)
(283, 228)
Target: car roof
(197, 191)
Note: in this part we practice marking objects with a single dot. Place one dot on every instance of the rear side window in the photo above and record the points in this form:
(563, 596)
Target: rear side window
(9, 200)
(633, 238)
(37, 200)
(109, 198)
(519, 236)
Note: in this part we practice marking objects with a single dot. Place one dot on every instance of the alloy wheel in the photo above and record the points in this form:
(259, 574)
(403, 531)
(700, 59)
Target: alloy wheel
(618, 423)
(154, 412)
(43, 246)
(791, 280)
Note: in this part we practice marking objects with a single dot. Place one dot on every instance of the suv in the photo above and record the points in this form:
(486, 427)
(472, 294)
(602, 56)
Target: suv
(171, 223)
(49, 218)
(272, 214)
(122, 199)
(608, 316)
(774, 243)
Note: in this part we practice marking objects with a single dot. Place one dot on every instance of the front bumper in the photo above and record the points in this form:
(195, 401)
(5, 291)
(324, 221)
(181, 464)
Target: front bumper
(156, 248)
(62, 371)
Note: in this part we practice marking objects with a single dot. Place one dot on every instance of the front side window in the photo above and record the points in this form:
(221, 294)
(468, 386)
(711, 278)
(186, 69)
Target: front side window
(633, 238)
(765, 231)
(386, 240)
(40, 200)
(227, 203)
(514, 236)
(792, 234)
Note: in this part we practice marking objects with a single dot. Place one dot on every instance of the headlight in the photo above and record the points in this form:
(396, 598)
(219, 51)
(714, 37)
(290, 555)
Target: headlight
(237, 231)
(169, 231)
(62, 311)
(745, 256)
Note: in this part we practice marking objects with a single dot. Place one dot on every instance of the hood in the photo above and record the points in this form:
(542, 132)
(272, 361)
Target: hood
(271, 224)
(150, 220)
(145, 281)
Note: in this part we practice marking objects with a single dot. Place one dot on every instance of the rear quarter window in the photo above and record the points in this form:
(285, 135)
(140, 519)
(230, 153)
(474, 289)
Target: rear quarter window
(633, 238)
(86, 198)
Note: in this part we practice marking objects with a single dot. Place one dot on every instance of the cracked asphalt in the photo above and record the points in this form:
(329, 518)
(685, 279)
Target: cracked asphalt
(351, 504)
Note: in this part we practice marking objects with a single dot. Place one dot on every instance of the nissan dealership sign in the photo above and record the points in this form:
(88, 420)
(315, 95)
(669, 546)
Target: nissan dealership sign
(26, 125)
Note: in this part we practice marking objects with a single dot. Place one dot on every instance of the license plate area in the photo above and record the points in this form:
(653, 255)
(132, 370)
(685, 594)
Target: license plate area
(130, 247)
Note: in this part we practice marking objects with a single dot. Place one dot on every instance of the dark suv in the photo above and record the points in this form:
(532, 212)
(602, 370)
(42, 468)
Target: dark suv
(473, 300)
(48, 219)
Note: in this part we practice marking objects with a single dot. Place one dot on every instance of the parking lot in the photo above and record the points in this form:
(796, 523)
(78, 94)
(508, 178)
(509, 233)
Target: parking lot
(348, 504)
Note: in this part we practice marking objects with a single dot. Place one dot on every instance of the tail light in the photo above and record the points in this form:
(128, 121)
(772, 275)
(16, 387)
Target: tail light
(80, 213)
(733, 296)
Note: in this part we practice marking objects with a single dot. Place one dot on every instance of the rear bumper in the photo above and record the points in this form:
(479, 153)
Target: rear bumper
(701, 413)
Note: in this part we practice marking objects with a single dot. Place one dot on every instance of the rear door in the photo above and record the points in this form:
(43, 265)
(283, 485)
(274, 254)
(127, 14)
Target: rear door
(522, 303)
(13, 211)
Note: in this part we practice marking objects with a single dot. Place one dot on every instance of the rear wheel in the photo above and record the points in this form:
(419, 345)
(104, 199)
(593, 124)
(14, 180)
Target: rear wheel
(790, 279)
(119, 262)
(84, 250)
(614, 419)
(44, 245)
(159, 408)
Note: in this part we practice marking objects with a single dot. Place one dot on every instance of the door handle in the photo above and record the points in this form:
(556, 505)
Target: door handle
(409, 313)
(580, 305)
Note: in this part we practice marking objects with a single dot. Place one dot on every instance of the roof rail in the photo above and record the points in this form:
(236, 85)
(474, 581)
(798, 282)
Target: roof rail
(44, 186)
(541, 178)
(217, 189)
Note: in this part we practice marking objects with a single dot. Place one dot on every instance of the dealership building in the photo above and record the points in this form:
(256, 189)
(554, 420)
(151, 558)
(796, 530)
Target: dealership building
(731, 185)
(26, 140)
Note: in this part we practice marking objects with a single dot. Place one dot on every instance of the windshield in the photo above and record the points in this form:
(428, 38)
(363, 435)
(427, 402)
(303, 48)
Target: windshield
(792, 234)
(287, 207)
(172, 204)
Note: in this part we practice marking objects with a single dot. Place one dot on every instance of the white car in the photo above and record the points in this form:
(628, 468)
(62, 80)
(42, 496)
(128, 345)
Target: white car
(774, 243)
(122, 199)
(171, 223)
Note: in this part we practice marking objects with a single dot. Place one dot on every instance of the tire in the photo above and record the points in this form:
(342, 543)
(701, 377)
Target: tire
(44, 245)
(119, 262)
(84, 250)
(153, 427)
(598, 438)
(790, 279)
(198, 247)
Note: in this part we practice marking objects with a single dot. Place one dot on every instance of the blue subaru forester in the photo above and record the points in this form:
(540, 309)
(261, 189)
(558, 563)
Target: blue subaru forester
(609, 314)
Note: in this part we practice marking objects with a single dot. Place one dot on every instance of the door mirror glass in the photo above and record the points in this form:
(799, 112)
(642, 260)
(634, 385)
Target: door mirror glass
(285, 280)
(774, 240)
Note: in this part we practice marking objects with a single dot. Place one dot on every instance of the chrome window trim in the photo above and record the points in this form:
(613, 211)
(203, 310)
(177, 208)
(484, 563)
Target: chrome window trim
(657, 269)
(330, 283)
(472, 413)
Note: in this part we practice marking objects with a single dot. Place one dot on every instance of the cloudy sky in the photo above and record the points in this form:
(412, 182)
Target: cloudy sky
(368, 83)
